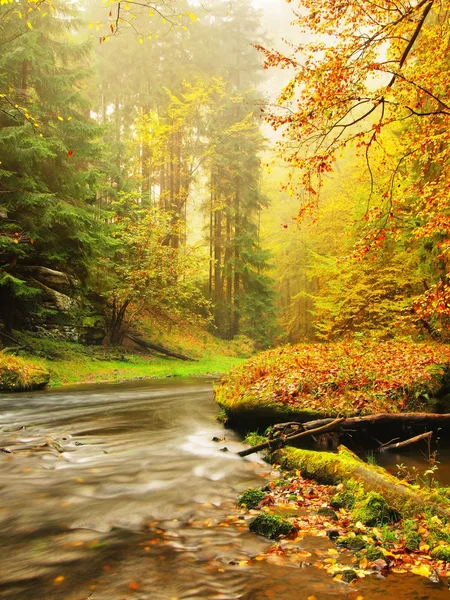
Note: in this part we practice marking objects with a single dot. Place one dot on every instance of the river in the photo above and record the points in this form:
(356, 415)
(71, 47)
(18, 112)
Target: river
(119, 492)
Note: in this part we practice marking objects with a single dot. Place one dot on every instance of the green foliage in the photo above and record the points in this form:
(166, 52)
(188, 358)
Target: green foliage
(271, 526)
(50, 146)
(251, 498)
(412, 540)
(146, 273)
(253, 439)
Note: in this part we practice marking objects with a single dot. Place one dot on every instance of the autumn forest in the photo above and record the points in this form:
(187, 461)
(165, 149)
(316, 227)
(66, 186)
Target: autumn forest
(188, 163)
(230, 221)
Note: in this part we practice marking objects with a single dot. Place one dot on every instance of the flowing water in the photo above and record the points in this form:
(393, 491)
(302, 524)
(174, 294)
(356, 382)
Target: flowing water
(119, 492)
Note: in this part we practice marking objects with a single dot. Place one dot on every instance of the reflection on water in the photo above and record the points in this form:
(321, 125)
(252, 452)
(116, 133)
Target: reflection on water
(119, 492)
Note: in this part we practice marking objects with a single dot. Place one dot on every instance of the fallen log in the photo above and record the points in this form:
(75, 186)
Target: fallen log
(149, 346)
(413, 440)
(330, 469)
(428, 419)
(279, 442)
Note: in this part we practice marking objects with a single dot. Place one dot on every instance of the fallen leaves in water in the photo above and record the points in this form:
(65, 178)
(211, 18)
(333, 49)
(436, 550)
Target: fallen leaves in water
(134, 585)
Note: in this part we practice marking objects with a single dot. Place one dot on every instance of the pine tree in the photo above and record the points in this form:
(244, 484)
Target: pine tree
(48, 147)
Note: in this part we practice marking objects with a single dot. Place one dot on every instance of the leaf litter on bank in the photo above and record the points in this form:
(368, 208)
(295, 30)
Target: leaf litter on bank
(378, 548)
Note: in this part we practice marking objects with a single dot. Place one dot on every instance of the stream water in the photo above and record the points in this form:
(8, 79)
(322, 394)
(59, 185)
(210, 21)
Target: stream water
(118, 492)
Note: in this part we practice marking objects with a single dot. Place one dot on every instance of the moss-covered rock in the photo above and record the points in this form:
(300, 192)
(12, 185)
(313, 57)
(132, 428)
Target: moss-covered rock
(412, 541)
(270, 526)
(344, 499)
(18, 375)
(352, 542)
(251, 498)
(372, 553)
(348, 575)
(373, 510)
(441, 552)
(328, 513)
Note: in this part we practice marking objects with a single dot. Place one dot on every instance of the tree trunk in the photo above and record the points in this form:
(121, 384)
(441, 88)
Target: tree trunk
(328, 468)
(149, 346)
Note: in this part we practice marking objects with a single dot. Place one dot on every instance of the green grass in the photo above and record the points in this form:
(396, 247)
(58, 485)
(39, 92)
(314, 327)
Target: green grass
(70, 363)
(93, 370)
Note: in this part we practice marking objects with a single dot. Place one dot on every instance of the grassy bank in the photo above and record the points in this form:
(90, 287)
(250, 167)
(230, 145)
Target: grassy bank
(344, 379)
(93, 370)
(69, 363)
(18, 374)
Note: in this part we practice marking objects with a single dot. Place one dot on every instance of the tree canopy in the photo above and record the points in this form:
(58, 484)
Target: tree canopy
(374, 77)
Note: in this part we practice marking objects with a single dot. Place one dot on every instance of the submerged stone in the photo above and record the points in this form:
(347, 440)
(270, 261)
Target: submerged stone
(349, 575)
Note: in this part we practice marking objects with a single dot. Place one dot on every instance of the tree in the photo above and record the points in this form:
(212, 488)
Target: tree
(368, 72)
(146, 275)
(48, 148)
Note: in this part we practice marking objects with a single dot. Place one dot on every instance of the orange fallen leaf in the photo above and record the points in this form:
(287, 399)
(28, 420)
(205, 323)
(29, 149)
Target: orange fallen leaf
(134, 585)
(58, 579)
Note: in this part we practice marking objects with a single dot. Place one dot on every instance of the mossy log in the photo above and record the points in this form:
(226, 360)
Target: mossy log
(328, 468)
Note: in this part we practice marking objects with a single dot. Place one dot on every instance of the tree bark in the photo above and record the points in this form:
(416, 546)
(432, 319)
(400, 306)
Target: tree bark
(413, 440)
(279, 442)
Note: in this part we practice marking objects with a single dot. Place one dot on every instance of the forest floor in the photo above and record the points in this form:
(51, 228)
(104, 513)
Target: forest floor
(310, 381)
(61, 363)
(364, 537)
(369, 530)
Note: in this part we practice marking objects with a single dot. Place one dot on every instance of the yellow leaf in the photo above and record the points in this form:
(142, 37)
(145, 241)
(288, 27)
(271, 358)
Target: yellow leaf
(69, 118)
(424, 547)
(141, 40)
(60, 118)
(363, 563)
(423, 571)
(436, 519)
(29, 25)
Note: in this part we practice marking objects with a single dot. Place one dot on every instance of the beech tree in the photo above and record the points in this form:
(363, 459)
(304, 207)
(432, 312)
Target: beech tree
(366, 72)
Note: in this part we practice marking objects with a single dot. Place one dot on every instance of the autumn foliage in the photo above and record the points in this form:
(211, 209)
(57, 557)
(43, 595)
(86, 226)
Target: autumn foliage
(374, 78)
(338, 379)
